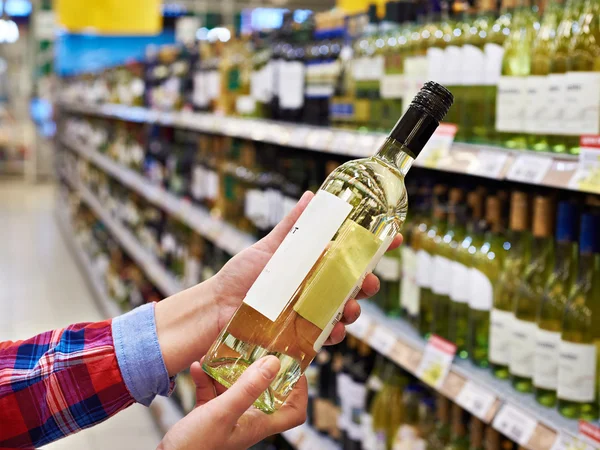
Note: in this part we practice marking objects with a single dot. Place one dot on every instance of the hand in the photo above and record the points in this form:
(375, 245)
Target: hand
(237, 276)
(227, 421)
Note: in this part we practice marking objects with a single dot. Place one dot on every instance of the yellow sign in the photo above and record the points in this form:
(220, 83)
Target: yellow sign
(111, 17)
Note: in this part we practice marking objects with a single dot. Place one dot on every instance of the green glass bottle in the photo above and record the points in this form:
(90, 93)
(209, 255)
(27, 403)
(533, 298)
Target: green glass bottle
(537, 109)
(459, 439)
(582, 115)
(441, 435)
(529, 295)
(516, 66)
(550, 314)
(501, 316)
(443, 259)
(476, 434)
(425, 254)
(488, 261)
(461, 266)
(387, 410)
(388, 271)
(580, 338)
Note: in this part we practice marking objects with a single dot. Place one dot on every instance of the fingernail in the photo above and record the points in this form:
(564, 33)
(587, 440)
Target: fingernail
(269, 367)
(375, 288)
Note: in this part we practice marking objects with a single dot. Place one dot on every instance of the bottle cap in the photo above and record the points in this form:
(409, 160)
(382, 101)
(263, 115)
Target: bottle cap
(435, 99)
(566, 222)
(589, 241)
(542, 217)
(518, 211)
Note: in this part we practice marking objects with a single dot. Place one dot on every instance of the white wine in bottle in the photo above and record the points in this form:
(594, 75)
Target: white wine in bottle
(299, 297)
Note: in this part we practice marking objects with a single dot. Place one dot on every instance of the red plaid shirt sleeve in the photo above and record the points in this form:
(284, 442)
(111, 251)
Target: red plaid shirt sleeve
(58, 383)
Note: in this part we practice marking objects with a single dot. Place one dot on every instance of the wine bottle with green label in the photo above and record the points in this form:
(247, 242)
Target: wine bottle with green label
(552, 307)
(299, 297)
(579, 344)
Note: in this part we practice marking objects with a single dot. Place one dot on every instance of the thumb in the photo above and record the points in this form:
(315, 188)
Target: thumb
(246, 390)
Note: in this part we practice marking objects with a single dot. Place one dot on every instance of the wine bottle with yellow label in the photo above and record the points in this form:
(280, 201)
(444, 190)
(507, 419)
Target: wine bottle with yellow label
(300, 295)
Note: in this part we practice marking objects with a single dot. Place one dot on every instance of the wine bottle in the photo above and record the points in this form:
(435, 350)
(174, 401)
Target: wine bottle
(488, 260)
(459, 440)
(501, 316)
(554, 300)
(443, 269)
(387, 410)
(476, 434)
(578, 349)
(425, 260)
(374, 386)
(441, 435)
(338, 239)
(529, 296)
(357, 396)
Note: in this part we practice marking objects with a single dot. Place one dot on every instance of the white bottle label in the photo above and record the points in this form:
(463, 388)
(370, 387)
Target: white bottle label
(442, 272)
(545, 373)
(297, 254)
(459, 291)
(473, 66)
(493, 63)
(577, 371)
(500, 336)
(481, 292)
(410, 295)
(435, 65)
(291, 84)
(424, 269)
(556, 103)
(510, 104)
(522, 348)
(376, 68)
(582, 111)
(536, 106)
(392, 86)
(388, 268)
(452, 65)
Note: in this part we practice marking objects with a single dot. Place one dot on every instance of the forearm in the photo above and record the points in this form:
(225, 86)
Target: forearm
(186, 325)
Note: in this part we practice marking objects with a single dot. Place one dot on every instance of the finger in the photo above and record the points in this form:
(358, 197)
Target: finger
(398, 239)
(351, 312)
(244, 392)
(293, 411)
(205, 389)
(370, 287)
(338, 333)
(275, 237)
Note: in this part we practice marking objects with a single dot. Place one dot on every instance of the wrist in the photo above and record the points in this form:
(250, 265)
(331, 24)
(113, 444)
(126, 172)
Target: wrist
(187, 324)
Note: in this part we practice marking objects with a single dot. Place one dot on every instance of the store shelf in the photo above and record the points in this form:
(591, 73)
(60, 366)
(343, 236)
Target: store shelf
(490, 162)
(144, 259)
(400, 342)
(305, 437)
(199, 219)
(163, 409)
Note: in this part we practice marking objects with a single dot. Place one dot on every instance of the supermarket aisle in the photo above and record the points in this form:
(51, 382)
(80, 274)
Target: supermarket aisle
(42, 288)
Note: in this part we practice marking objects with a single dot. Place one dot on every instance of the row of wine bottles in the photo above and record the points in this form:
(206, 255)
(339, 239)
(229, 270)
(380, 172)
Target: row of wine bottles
(524, 74)
(364, 401)
(513, 280)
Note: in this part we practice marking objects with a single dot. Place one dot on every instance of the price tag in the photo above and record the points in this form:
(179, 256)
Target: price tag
(589, 430)
(436, 361)
(361, 327)
(489, 164)
(565, 441)
(515, 424)
(475, 399)
(529, 169)
(298, 136)
(382, 340)
(587, 176)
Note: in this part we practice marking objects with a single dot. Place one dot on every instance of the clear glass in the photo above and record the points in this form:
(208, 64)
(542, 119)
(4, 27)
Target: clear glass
(375, 188)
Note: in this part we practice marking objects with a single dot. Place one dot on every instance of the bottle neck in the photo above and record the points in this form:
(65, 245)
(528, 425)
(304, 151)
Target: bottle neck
(566, 258)
(588, 267)
(396, 155)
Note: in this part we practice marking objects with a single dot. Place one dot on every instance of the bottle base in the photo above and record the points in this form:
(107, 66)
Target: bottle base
(545, 397)
(229, 357)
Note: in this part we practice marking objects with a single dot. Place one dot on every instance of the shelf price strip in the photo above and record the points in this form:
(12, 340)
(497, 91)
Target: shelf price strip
(475, 399)
(515, 424)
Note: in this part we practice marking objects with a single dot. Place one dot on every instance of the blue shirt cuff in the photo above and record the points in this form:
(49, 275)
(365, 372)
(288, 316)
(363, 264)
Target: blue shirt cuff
(139, 356)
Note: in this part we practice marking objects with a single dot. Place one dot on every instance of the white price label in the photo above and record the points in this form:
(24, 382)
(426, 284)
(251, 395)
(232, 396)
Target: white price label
(382, 340)
(529, 169)
(436, 361)
(565, 441)
(475, 399)
(515, 424)
(298, 136)
(489, 164)
(360, 327)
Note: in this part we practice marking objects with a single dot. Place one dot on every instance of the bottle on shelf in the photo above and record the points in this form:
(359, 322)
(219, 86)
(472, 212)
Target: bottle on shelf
(274, 313)
(387, 409)
(487, 262)
(425, 262)
(552, 306)
(357, 395)
(476, 434)
(443, 260)
(578, 353)
(528, 296)
(502, 316)
(442, 432)
(459, 439)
